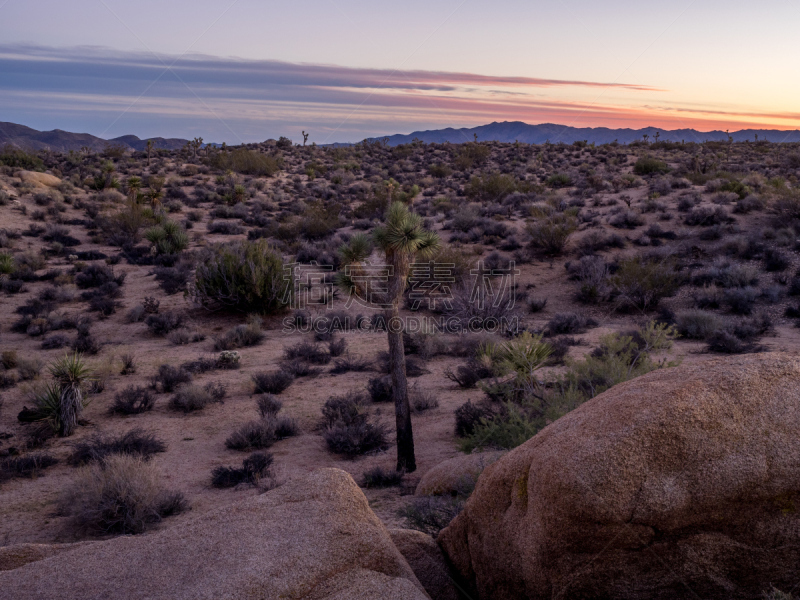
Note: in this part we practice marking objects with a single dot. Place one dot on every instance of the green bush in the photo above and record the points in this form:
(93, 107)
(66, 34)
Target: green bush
(493, 187)
(245, 275)
(647, 165)
(640, 283)
(19, 159)
(559, 180)
(549, 234)
(619, 358)
(248, 162)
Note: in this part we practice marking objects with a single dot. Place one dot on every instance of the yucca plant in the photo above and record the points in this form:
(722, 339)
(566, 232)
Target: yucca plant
(6, 263)
(48, 406)
(403, 239)
(523, 356)
(167, 237)
(70, 373)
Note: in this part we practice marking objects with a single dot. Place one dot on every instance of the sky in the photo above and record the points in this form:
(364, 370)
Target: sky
(246, 70)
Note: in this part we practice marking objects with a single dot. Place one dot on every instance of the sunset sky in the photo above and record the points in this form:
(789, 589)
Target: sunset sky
(246, 70)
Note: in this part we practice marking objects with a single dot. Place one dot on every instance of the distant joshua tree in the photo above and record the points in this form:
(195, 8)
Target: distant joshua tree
(149, 150)
(305, 137)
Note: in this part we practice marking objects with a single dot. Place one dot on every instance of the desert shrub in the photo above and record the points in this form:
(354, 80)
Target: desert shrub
(122, 494)
(229, 359)
(30, 465)
(536, 305)
(224, 228)
(725, 342)
(9, 359)
(337, 347)
(182, 337)
(562, 323)
(55, 341)
(356, 438)
(596, 241)
(28, 368)
(468, 416)
(559, 180)
(706, 216)
(380, 389)
(421, 401)
(741, 301)
(748, 205)
(272, 383)
(98, 448)
(95, 275)
(431, 514)
(508, 428)
(550, 234)
(173, 279)
(466, 376)
(286, 427)
(241, 336)
(647, 165)
(133, 400)
(169, 378)
(697, 324)
(60, 235)
(349, 363)
(253, 435)
(163, 323)
(254, 468)
(247, 162)
(628, 219)
(308, 352)
(641, 283)
(380, 477)
(268, 405)
(298, 368)
(14, 157)
(193, 397)
(128, 364)
(775, 260)
(246, 276)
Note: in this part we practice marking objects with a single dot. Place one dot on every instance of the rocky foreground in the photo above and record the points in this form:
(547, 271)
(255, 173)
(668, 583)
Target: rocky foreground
(682, 483)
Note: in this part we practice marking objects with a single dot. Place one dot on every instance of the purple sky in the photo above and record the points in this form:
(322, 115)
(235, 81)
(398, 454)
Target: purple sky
(242, 70)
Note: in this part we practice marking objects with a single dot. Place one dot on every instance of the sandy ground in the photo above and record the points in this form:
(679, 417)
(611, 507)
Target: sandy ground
(195, 442)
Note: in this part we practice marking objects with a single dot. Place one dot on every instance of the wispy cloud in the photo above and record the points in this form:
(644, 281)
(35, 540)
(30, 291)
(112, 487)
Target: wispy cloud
(266, 98)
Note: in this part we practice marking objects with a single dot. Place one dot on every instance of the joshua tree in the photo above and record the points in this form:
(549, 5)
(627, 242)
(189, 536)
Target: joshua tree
(403, 239)
(149, 150)
(305, 137)
(70, 374)
(134, 185)
(657, 135)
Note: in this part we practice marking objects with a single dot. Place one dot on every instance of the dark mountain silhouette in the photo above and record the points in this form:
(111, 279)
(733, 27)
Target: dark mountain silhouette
(512, 131)
(64, 141)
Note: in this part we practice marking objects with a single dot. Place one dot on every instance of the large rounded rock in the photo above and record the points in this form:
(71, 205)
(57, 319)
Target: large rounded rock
(455, 476)
(682, 483)
(38, 179)
(312, 538)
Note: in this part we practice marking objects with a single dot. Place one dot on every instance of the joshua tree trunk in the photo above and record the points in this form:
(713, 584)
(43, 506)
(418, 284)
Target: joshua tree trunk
(70, 409)
(397, 363)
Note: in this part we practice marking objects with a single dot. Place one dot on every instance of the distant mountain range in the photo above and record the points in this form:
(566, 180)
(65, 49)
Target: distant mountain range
(64, 141)
(513, 131)
(507, 131)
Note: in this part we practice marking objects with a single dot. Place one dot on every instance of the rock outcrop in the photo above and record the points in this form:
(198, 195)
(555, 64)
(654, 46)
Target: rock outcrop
(38, 179)
(456, 475)
(682, 483)
(312, 538)
(427, 561)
